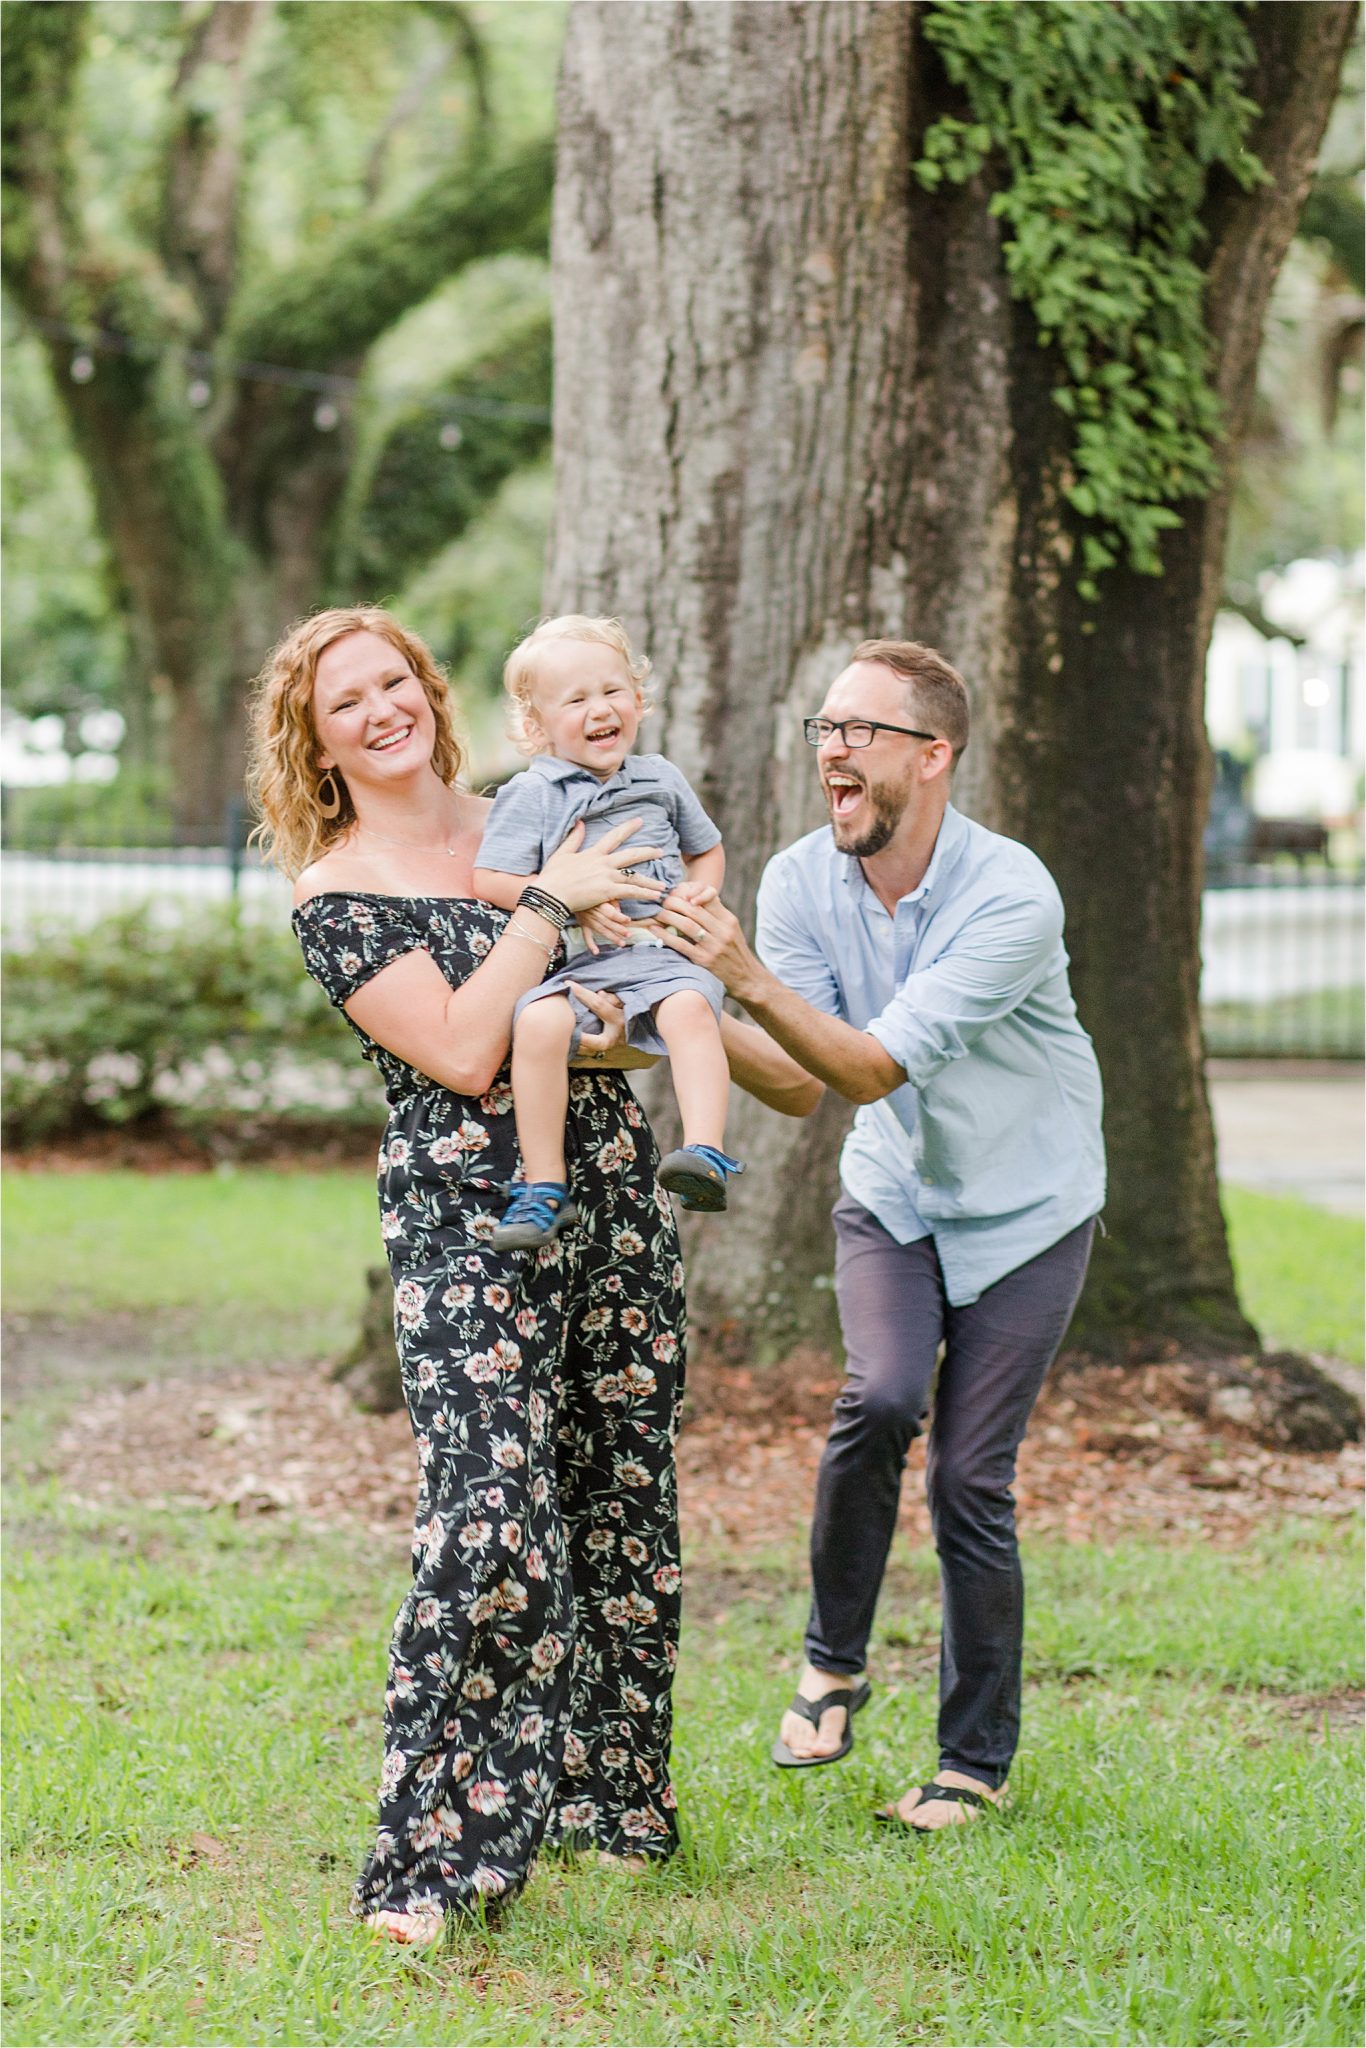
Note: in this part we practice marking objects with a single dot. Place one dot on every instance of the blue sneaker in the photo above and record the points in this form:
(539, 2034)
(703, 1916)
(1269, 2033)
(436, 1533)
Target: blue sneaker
(538, 1212)
(697, 1175)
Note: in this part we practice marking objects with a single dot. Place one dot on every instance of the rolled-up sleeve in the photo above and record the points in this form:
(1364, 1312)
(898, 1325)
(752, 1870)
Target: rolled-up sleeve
(697, 831)
(788, 943)
(1003, 952)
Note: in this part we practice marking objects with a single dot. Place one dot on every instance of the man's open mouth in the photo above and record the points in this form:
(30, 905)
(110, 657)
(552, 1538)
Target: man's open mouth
(844, 792)
(388, 739)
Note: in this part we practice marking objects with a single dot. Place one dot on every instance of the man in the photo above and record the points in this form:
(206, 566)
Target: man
(913, 961)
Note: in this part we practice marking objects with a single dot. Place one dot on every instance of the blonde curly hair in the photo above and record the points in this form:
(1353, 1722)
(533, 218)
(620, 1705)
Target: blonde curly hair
(283, 772)
(519, 670)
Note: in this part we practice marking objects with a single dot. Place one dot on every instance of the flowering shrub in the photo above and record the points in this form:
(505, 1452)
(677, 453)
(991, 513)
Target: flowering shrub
(210, 1023)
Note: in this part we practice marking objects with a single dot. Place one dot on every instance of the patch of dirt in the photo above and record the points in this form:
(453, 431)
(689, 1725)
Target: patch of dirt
(1330, 1710)
(1111, 1449)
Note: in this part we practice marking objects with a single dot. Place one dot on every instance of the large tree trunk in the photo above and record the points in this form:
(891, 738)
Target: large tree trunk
(795, 405)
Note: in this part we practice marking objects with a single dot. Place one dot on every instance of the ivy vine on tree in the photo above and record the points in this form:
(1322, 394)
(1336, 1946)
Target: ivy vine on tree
(1109, 116)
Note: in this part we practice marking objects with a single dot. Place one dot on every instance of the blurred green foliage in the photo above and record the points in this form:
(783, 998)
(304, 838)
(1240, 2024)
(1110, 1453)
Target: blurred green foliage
(208, 1024)
(354, 112)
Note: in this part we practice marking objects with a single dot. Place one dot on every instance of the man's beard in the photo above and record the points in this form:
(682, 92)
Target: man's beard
(888, 805)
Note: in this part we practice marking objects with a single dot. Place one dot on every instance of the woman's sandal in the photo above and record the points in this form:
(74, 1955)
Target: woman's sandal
(954, 1795)
(851, 1698)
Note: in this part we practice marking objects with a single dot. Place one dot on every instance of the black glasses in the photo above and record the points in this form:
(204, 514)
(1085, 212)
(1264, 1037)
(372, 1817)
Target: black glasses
(855, 732)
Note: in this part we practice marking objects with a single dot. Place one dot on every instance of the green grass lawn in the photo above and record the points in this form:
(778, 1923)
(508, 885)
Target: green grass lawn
(1300, 1272)
(192, 1729)
(234, 1266)
(193, 1732)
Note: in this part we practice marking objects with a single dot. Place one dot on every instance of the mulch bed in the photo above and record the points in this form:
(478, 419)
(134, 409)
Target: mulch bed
(1112, 1449)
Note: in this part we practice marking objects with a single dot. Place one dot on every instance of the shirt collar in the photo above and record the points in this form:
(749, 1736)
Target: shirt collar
(555, 770)
(948, 844)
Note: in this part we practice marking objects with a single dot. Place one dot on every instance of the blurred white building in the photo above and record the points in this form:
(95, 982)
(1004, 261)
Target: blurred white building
(1296, 713)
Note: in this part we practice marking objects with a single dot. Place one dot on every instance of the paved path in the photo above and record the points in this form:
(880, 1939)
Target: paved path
(1289, 1129)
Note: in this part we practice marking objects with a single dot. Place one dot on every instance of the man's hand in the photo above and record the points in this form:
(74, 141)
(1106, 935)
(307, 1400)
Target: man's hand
(696, 923)
(849, 1061)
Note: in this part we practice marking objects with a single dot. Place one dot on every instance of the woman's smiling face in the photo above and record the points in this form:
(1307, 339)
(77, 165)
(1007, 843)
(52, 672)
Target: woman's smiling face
(370, 712)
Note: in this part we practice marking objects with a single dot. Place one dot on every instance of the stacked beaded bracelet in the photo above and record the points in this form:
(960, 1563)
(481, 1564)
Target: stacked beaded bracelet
(542, 904)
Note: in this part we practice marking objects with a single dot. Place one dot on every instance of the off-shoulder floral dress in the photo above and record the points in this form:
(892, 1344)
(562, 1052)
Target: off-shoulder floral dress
(531, 1661)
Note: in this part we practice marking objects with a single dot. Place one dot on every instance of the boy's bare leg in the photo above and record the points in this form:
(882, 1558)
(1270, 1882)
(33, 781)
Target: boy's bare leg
(687, 1024)
(540, 1085)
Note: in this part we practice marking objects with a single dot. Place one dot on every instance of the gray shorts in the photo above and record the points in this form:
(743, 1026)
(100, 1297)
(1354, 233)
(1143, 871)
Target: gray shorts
(641, 975)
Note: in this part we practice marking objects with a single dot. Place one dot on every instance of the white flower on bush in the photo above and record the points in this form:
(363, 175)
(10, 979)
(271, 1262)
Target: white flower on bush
(111, 1074)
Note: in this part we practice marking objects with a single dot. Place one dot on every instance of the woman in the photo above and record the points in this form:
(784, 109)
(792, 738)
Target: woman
(531, 1661)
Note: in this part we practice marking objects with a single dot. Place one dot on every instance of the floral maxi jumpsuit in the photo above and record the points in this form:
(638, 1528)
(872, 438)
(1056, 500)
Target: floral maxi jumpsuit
(531, 1661)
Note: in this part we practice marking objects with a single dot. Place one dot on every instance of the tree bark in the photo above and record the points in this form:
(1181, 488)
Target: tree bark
(796, 405)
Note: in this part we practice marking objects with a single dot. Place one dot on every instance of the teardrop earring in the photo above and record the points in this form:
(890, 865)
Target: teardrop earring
(329, 806)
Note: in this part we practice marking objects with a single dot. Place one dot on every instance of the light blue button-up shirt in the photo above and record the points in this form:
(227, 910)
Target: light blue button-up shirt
(993, 1146)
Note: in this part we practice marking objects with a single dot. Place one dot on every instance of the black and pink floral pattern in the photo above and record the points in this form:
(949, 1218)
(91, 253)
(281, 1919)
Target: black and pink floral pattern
(531, 1660)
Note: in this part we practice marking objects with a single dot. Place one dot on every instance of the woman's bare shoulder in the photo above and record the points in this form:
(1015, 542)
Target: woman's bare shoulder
(339, 869)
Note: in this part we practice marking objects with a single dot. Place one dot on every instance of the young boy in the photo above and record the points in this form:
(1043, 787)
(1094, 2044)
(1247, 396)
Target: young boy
(578, 697)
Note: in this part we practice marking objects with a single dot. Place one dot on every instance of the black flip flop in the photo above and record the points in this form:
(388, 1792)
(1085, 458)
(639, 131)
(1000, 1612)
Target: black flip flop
(851, 1699)
(954, 1794)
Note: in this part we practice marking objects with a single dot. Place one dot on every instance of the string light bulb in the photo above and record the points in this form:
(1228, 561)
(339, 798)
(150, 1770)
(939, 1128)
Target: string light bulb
(82, 368)
(325, 416)
(199, 393)
(450, 435)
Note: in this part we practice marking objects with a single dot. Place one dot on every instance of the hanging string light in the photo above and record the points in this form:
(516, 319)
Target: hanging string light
(333, 389)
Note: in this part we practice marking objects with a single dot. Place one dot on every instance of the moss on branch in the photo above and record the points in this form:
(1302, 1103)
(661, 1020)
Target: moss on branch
(328, 310)
(423, 495)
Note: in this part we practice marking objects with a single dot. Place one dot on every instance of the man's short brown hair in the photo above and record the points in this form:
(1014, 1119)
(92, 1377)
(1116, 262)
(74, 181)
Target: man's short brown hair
(938, 694)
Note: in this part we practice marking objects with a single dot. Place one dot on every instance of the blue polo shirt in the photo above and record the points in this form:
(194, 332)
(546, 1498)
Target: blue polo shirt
(532, 812)
(993, 1147)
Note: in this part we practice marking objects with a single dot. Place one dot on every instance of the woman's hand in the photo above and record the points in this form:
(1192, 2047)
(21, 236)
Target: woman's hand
(608, 1047)
(582, 878)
